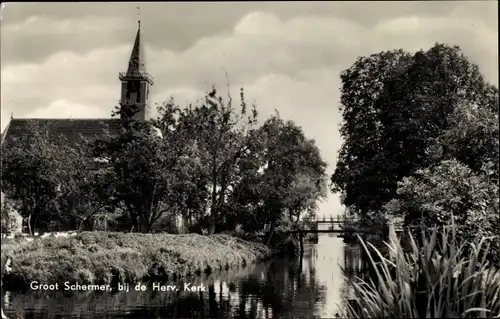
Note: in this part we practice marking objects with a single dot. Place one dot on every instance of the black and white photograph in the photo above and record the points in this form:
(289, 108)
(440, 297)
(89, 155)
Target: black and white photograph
(250, 159)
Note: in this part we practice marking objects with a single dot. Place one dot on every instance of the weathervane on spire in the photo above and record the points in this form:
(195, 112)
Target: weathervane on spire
(139, 16)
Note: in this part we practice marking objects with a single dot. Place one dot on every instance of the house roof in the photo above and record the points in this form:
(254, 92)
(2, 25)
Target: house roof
(72, 129)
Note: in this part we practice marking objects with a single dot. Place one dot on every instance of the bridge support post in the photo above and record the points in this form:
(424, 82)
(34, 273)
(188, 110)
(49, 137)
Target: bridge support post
(301, 240)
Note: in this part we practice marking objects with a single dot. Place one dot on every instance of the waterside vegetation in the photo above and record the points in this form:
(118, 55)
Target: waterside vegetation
(444, 278)
(421, 145)
(106, 257)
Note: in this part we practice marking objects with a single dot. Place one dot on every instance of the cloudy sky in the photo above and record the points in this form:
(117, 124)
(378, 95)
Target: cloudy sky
(63, 59)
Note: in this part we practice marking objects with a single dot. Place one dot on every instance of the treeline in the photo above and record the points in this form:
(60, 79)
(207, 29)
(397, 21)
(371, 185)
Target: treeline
(210, 165)
(421, 143)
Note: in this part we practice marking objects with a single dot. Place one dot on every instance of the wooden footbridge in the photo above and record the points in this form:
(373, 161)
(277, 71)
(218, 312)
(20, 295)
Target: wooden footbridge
(339, 224)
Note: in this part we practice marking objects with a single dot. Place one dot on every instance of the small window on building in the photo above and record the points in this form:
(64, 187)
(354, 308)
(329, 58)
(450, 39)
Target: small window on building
(135, 86)
(138, 98)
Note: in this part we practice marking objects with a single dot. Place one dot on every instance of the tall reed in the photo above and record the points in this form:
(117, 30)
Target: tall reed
(443, 278)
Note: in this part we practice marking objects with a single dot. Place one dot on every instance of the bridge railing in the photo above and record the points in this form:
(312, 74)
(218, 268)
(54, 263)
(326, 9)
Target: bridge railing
(343, 221)
(331, 219)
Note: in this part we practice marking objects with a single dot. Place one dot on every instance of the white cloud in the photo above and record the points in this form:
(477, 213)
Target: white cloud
(259, 23)
(289, 65)
(44, 25)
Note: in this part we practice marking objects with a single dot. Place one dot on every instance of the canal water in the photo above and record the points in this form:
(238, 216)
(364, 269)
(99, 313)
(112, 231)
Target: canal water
(311, 287)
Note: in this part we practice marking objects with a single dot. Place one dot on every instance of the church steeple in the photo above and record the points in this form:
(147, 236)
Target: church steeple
(136, 82)
(136, 62)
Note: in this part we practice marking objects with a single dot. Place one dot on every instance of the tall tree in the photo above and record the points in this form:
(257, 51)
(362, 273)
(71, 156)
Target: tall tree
(139, 179)
(284, 179)
(394, 106)
(153, 166)
(84, 188)
(221, 137)
(32, 170)
(191, 189)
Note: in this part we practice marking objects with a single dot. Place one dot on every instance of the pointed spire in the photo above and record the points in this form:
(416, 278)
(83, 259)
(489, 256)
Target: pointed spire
(136, 64)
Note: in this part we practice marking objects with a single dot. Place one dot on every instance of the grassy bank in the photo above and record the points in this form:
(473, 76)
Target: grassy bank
(103, 257)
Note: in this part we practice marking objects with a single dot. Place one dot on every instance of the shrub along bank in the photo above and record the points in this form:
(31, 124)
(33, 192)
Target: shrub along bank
(103, 257)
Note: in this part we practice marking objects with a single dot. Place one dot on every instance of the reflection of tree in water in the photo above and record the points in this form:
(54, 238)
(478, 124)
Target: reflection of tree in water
(355, 268)
(280, 291)
(284, 289)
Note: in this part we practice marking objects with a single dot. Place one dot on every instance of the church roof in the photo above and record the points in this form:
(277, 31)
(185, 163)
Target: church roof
(72, 129)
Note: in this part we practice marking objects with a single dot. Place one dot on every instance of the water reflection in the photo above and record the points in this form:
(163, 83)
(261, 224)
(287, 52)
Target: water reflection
(308, 288)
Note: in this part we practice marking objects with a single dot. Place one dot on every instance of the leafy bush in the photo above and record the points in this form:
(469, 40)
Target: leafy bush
(438, 280)
(437, 194)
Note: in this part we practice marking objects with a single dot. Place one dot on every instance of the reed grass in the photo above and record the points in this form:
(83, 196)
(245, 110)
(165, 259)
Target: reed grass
(443, 278)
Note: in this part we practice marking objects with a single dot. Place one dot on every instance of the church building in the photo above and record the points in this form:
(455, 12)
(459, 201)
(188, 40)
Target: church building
(135, 92)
